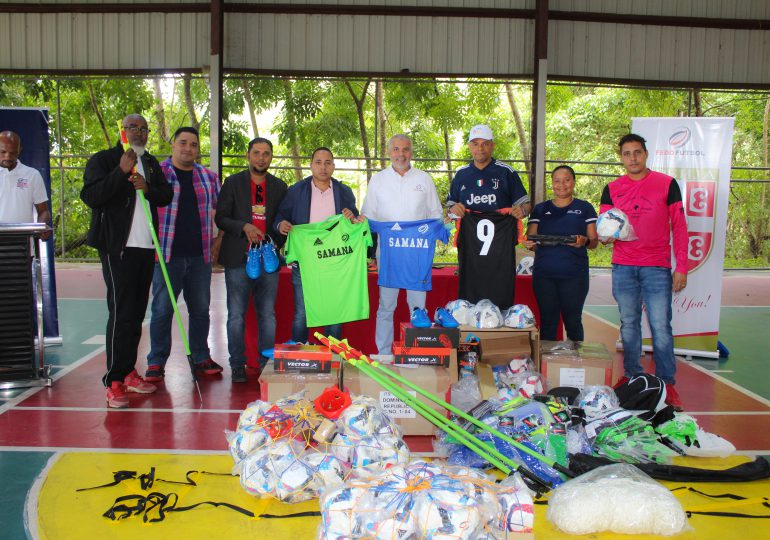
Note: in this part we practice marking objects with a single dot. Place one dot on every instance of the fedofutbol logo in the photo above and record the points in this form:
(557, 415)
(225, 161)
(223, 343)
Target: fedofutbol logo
(680, 137)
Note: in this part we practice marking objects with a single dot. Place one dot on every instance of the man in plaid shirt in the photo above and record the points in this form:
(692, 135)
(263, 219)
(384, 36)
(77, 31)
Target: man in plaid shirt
(189, 245)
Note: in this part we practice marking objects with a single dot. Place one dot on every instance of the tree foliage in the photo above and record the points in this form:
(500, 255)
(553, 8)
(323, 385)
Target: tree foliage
(583, 124)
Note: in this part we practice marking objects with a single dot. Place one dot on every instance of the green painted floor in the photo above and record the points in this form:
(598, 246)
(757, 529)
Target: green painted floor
(744, 331)
(18, 471)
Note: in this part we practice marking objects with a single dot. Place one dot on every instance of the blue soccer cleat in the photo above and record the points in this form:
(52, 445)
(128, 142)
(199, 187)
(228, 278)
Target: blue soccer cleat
(442, 317)
(420, 318)
(253, 262)
(270, 260)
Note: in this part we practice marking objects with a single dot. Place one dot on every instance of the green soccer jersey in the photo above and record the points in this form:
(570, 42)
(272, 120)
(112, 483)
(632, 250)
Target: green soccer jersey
(332, 264)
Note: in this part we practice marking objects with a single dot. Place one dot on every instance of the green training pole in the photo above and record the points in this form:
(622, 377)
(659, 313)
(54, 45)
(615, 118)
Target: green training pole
(460, 413)
(443, 423)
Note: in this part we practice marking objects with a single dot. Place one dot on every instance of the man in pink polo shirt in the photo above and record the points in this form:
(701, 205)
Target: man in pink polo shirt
(316, 198)
(641, 269)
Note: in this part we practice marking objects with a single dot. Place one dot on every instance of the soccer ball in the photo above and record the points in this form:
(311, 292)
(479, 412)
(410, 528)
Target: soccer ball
(525, 266)
(461, 311)
(613, 224)
(519, 316)
(486, 315)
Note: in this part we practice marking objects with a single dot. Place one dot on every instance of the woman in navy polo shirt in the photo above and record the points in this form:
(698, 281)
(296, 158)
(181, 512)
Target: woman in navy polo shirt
(560, 273)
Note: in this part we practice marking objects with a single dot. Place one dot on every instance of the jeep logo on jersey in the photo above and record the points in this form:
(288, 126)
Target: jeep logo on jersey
(334, 252)
(318, 242)
(481, 199)
(422, 229)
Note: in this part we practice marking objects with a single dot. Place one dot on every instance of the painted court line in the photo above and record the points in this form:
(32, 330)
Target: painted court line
(727, 413)
(31, 500)
(127, 410)
(98, 339)
(708, 372)
(62, 449)
(56, 376)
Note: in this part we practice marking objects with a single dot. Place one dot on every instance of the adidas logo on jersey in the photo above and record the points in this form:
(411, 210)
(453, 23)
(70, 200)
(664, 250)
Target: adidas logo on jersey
(396, 227)
(420, 243)
(481, 199)
(318, 242)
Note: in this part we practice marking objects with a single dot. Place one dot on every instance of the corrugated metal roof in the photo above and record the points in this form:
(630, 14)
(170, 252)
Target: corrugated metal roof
(345, 43)
(78, 41)
(664, 53)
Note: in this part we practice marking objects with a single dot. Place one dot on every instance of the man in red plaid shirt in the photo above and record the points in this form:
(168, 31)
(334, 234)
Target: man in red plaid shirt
(189, 244)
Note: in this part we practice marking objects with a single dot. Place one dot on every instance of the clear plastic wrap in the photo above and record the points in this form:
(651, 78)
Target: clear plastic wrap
(282, 450)
(617, 498)
(529, 383)
(466, 393)
(519, 316)
(486, 315)
(595, 400)
(421, 500)
(614, 225)
(461, 310)
(633, 441)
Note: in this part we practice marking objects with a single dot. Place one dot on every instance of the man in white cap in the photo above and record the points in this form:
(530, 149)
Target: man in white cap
(490, 186)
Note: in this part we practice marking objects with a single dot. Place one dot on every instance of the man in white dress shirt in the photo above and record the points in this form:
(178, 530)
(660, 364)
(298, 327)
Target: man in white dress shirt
(399, 193)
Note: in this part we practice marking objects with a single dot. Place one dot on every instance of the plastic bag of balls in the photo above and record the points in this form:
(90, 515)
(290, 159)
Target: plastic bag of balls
(486, 315)
(461, 310)
(424, 500)
(276, 452)
(529, 383)
(595, 400)
(614, 225)
(519, 316)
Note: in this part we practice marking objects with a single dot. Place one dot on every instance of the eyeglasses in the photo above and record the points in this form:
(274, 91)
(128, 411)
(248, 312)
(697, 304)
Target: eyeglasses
(135, 129)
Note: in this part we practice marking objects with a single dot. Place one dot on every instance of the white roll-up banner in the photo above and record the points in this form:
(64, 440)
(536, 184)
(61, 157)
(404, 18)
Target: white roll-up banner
(698, 153)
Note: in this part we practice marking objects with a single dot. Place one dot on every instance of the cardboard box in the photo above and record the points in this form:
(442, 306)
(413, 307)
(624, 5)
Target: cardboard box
(302, 366)
(435, 380)
(274, 385)
(500, 345)
(421, 356)
(435, 336)
(304, 358)
(592, 366)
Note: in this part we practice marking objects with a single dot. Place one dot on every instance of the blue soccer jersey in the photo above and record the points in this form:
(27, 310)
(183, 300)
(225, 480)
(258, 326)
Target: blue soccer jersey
(562, 261)
(494, 187)
(406, 252)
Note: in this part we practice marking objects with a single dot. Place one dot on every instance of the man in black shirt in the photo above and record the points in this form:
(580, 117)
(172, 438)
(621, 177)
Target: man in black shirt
(187, 239)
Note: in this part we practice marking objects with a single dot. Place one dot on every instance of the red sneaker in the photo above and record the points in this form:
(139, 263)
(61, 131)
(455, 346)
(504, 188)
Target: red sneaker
(209, 367)
(621, 381)
(116, 396)
(134, 383)
(673, 399)
(154, 374)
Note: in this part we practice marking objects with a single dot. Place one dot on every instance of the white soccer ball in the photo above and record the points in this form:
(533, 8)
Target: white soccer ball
(486, 315)
(530, 383)
(595, 400)
(246, 440)
(613, 223)
(525, 265)
(519, 316)
(461, 310)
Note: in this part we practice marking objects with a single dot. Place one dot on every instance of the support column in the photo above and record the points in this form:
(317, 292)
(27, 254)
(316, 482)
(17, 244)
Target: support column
(216, 83)
(540, 75)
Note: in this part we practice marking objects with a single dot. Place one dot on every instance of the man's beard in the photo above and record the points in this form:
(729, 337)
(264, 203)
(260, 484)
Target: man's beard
(259, 171)
(138, 149)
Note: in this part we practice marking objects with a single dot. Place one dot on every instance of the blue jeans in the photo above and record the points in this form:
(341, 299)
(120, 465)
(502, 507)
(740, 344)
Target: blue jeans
(632, 285)
(299, 325)
(192, 277)
(240, 288)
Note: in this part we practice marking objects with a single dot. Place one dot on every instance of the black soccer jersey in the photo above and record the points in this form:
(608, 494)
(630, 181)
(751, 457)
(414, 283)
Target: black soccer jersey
(485, 250)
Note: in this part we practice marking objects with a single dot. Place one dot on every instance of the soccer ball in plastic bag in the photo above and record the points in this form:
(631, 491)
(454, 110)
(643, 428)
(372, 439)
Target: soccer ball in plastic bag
(519, 316)
(613, 224)
(524, 267)
(461, 311)
(486, 315)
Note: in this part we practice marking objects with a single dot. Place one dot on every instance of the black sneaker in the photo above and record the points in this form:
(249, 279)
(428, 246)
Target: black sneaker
(239, 374)
(209, 367)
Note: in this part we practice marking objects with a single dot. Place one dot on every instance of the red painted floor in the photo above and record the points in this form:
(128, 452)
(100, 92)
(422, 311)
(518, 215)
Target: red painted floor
(72, 413)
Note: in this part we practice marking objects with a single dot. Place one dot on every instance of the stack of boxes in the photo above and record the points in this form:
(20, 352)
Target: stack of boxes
(298, 367)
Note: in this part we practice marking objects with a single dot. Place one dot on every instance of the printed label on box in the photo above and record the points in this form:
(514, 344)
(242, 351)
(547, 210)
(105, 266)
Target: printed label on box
(572, 377)
(395, 407)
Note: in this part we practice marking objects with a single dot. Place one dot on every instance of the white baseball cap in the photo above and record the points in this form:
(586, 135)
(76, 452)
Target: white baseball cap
(481, 131)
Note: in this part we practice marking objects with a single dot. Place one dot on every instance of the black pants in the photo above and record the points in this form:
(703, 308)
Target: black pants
(128, 278)
(561, 296)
